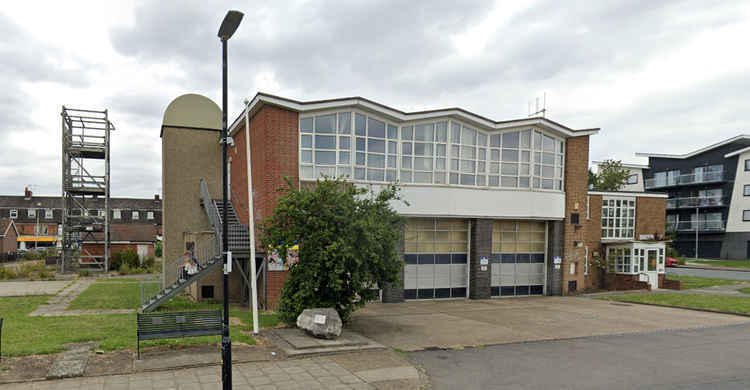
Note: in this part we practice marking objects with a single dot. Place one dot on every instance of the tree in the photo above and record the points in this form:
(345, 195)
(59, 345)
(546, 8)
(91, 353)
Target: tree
(348, 241)
(611, 176)
(593, 179)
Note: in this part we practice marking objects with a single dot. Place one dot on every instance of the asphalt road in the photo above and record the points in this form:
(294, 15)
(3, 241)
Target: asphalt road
(737, 275)
(709, 358)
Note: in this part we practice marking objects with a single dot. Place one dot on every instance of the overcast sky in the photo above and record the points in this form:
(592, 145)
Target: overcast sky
(655, 76)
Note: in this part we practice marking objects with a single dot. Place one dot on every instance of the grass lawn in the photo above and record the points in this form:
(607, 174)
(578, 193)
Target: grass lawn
(23, 335)
(695, 301)
(105, 280)
(725, 263)
(689, 282)
(745, 290)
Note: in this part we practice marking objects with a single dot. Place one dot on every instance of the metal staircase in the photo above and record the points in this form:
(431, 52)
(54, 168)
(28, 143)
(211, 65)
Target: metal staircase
(239, 242)
(179, 285)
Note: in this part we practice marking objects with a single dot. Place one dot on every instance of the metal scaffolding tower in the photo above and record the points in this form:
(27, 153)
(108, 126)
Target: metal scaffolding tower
(85, 180)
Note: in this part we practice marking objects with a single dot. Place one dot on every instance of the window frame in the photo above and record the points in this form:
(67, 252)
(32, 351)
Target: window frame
(745, 189)
(744, 218)
(49, 214)
(135, 215)
(31, 212)
(149, 215)
(634, 175)
(116, 214)
(13, 213)
(747, 165)
(612, 222)
(308, 171)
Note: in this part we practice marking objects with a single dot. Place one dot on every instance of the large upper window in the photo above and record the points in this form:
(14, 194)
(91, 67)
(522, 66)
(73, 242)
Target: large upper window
(367, 148)
(618, 218)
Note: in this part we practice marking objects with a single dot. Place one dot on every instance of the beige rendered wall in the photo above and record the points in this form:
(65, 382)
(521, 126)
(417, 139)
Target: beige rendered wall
(190, 151)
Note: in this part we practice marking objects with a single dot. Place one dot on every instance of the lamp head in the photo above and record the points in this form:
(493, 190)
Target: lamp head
(229, 24)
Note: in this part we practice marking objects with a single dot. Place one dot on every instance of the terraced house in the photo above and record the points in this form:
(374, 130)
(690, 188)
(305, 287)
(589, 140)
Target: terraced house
(496, 208)
(136, 223)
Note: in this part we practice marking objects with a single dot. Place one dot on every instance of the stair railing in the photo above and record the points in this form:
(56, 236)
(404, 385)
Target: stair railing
(213, 214)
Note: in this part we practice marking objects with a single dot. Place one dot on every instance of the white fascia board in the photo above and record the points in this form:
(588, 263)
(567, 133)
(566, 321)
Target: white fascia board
(399, 116)
(626, 165)
(737, 152)
(696, 152)
(629, 194)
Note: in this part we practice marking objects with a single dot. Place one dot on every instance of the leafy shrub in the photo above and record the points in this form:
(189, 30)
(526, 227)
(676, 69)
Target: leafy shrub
(671, 252)
(681, 260)
(7, 273)
(84, 273)
(127, 257)
(157, 249)
(348, 241)
(148, 262)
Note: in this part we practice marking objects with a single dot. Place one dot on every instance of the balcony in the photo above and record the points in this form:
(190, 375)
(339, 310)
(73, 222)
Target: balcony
(702, 226)
(684, 203)
(687, 179)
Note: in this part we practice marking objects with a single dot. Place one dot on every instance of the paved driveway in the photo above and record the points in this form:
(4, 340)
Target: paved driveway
(13, 289)
(418, 325)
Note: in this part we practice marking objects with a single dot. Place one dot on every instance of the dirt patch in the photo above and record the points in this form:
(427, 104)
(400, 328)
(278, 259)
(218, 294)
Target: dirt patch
(110, 363)
(234, 321)
(25, 368)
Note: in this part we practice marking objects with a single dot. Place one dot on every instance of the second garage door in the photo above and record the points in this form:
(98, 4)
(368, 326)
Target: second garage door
(518, 253)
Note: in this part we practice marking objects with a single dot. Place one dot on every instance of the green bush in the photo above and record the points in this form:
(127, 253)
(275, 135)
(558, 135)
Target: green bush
(348, 241)
(127, 257)
(671, 252)
(7, 273)
(681, 260)
(148, 262)
(157, 249)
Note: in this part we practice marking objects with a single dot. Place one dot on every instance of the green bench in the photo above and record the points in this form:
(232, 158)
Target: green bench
(172, 325)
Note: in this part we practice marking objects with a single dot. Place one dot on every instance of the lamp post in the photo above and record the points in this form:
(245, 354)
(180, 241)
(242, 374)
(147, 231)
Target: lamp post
(226, 30)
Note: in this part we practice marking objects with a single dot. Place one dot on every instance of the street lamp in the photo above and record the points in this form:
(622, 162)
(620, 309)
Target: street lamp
(228, 27)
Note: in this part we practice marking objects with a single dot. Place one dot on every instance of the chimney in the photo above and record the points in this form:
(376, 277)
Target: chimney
(26, 193)
(156, 197)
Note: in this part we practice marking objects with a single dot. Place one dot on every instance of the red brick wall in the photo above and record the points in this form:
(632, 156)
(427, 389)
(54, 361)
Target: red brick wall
(592, 240)
(576, 188)
(8, 243)
(274, 283)
(98, 249)
(625, 282)
(27, 229)
(650, 216)
(274, 150)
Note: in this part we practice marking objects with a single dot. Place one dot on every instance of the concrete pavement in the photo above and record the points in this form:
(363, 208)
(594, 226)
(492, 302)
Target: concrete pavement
(418, 325)
(364, 370)
(17, 289)
(709, 358)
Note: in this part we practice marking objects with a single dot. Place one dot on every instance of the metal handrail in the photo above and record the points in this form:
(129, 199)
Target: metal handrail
(689, 178)
(213, 215)
(698, 201)
(702, 226)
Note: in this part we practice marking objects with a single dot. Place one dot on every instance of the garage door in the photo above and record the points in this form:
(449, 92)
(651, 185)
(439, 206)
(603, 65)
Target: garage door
(435, 253)
(518, 258)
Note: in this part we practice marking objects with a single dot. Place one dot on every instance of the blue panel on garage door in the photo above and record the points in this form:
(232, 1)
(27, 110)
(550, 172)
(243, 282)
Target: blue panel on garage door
(458, 292)
(495, 291)
(411, 259)
(410, 293)
(442, 293)
(537, 290)
(425, 293)
(459, 258)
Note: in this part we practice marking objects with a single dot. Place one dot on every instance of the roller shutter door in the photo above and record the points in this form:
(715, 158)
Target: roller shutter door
(436, 258)
(518, 258)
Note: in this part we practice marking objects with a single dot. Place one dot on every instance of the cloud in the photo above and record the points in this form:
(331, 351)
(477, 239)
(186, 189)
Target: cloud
(655, 76)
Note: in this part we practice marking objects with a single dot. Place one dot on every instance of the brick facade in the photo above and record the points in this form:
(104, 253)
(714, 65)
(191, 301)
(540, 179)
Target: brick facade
(651, 218)
(576, 189)
(619, 282)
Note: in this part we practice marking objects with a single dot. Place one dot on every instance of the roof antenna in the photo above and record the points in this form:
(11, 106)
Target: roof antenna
(539, 111)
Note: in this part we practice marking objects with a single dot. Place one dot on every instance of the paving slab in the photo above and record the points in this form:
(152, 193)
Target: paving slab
(15, 289)
(72, 362)
(306, 373)
(419, 325)
(294, 342)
